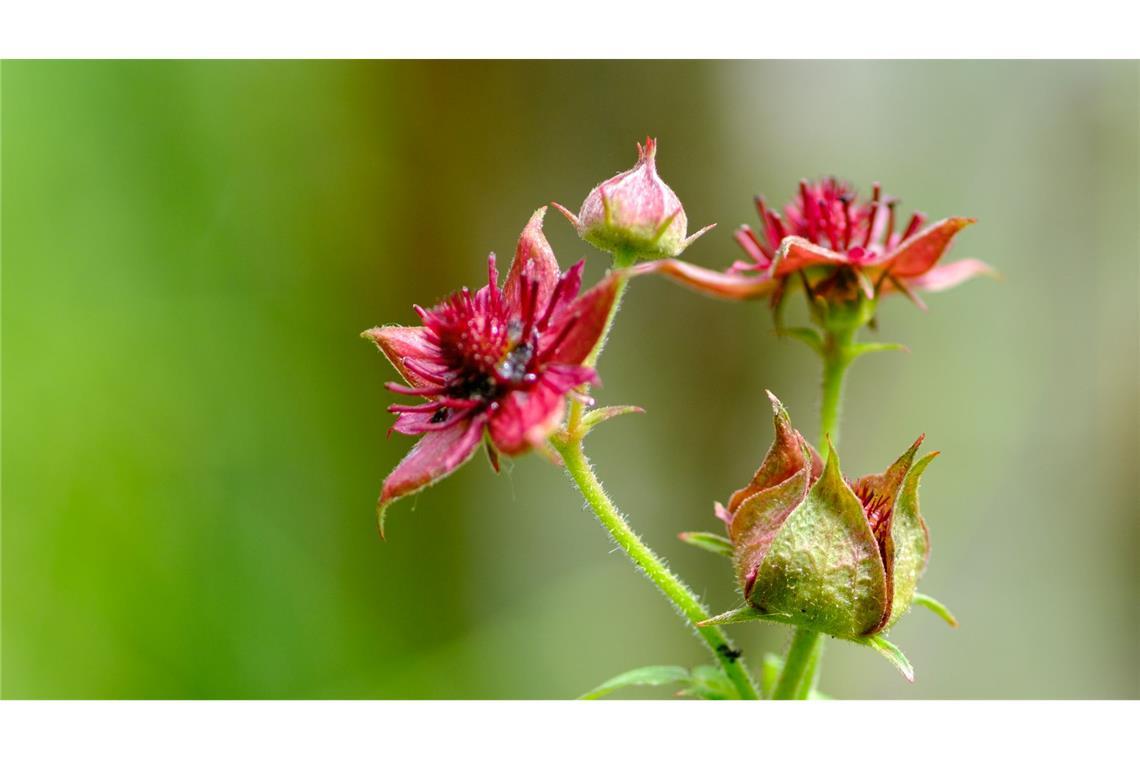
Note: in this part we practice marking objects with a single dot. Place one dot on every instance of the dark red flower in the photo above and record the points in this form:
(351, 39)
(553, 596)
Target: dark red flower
(497, 363)
(852, 243)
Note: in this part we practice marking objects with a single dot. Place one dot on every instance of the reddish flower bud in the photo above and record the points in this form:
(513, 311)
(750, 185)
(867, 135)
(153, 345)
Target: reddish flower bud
(814, 550)
(635, 215)
(495, 364)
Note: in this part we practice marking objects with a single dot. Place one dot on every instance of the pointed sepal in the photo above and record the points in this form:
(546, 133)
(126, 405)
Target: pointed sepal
(893, 654)
(745, 614)
(937, 607)
(710, 542)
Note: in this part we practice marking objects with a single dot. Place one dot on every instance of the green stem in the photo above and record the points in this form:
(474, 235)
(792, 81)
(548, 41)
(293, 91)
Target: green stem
(682, 597)
(800, 666)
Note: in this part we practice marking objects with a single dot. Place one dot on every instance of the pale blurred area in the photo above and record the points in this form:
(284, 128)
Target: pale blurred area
(194, 435)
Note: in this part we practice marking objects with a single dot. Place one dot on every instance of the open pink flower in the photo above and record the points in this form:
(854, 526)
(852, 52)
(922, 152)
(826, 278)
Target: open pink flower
(852, 244)
(497, 363)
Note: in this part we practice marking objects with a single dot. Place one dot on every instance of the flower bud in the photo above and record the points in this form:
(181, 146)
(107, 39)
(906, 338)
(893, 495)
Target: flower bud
(634, 215)
(813, 550)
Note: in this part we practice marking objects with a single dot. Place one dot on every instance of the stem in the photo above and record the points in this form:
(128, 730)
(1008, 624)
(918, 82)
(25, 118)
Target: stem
(800, 665)
(682, 597)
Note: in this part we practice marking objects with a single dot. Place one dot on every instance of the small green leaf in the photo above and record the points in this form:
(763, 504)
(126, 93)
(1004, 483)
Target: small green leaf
(652, 675)
(710, 542)
(891, 652)
(596, 417)
(805, 335)
(743, 615)
(937, 607)
(709, 682)
(869, 348)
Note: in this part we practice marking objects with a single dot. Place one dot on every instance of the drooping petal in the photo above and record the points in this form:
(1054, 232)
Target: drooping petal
(823, 568)
(951, 275)
(919, 253)
(878, 494)
(434, 456)
(796, 253)
(787, 455)
(911, 541)
(579, 327)
(524, 418)
(401, 343)
(534, 260)
(734, 287)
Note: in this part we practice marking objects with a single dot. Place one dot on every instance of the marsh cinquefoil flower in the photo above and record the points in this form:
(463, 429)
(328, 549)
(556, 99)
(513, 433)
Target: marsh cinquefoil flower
(844, 247)
(635, 215)
(816, 551)
(496, 364)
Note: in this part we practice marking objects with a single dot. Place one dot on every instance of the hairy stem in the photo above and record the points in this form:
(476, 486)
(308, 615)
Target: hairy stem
(800, 666)
(682, 597)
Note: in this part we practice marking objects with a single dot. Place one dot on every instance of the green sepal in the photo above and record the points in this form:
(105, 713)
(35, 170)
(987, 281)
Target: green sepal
(709, 682)
(651, 675)
(910, 539)
(891, 652)
(823, 569)
(745, 614)
(937, 607)
(710, 542)
(870, 348)
(595, 417)
(806, 335)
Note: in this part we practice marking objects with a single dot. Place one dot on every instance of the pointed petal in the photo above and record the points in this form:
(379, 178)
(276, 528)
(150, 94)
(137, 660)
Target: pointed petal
(434, 456)
(534, 260)
(785, 457)
(878, 494)
(400, 343)
(919, 253)
(580, 325)
(951, 275)
(734, 287)
(910, 539)
(823, 568)
(795, 253)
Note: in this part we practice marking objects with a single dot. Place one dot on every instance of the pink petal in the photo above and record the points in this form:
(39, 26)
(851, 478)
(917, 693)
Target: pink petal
(921, 252)
(950, 275)
(579, 327)
(534, 260)
(399, 343)
(722, 284)
(797, 253)
(526, 417)
(433, 457)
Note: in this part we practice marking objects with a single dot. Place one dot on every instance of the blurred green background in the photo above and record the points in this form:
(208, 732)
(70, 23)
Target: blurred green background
(194, 435)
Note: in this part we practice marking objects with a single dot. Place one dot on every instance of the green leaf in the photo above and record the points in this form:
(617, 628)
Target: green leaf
(891, 652)
(805, 335)
(869, 348)
(709, 682)
(743, 615)
(937, 607)
(710, 542)
(652, 675)
(597, 416)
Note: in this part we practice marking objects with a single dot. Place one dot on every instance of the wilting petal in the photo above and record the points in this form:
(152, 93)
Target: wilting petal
(433, 457)
(400, 343)
(919, 253)
(878, 494)
(796, 253)
(534, 260)
(725, 285)
(950, 275)
(579, 327)
(787, 456)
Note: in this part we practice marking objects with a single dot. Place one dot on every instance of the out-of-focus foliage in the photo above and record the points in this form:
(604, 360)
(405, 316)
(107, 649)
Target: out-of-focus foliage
(194, 435)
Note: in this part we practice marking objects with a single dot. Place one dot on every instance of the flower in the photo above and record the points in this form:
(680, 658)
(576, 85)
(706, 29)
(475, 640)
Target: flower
(816, 551)
(497, 364)
(849, 247)
(634, 215)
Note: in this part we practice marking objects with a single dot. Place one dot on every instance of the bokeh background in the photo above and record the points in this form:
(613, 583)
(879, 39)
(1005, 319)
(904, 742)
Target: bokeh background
(194, 435)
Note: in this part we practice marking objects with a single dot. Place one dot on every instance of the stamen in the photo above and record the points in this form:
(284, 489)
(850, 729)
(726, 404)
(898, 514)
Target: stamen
(847, 223)
(427, 390)
(554, 296)
(916, 221)
(747, 240)
(887, 243)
